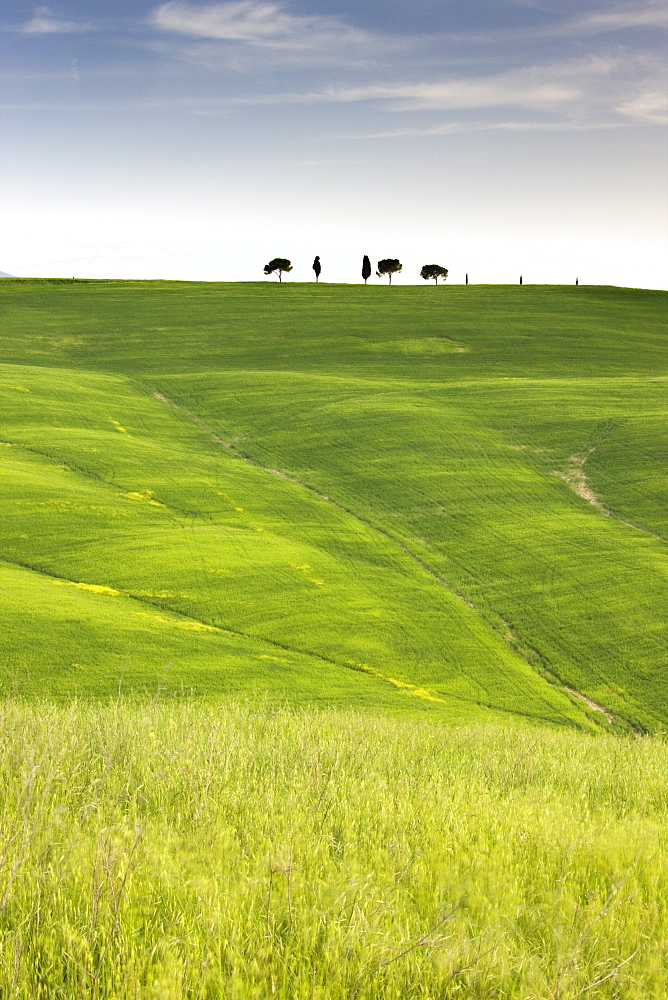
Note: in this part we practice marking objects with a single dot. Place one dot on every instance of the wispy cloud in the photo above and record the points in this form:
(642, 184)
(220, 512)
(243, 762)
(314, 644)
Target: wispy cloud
(584, 82)
(646, 106)
(44, 24)
(592, 93)
(256, 23)
(458, 128)
(248, 35)
(463, 95)
(353, 65)
(620, 19)
(651, 15)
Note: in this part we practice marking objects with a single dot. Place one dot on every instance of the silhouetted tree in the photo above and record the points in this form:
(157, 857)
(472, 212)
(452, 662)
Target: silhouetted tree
(366, 268)
(434, 271)
(520, 279)
(388, 267)
(279, 265)
(467, 277)
(317, 268)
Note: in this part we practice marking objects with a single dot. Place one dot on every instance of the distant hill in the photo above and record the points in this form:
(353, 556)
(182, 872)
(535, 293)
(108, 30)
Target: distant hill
(3, 274)
(423, 500)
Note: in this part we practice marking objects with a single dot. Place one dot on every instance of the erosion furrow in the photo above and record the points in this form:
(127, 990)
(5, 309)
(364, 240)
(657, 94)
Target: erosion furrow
(505, 633)
(413, 690)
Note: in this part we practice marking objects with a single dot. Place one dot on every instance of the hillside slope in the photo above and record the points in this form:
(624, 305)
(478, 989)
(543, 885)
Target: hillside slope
(432, 499)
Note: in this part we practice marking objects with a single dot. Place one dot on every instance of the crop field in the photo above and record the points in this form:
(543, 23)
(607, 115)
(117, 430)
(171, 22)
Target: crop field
(333, 642)
(165, 850)
(446, 502)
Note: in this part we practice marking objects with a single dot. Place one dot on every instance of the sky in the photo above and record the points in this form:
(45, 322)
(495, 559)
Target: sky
(197, 141)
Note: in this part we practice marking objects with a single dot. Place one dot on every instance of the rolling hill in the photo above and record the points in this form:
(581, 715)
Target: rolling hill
(427, 500)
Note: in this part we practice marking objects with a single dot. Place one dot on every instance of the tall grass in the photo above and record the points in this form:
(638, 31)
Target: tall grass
(187, 850)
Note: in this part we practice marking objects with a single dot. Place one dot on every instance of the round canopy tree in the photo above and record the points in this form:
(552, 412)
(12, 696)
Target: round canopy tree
(388, 267)
(279, 266)
(434, 271)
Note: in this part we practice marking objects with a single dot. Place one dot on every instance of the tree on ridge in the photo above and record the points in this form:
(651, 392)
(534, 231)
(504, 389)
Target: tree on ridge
(366, 268)
(279, 265)
(434, 271)
(388, 267)
(317, 268)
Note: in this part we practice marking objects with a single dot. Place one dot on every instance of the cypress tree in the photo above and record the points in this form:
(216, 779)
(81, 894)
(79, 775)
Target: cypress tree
(366, 268)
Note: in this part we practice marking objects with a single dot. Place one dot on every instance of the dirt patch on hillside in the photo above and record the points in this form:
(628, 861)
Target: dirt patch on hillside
(576, 478)
(591, 704)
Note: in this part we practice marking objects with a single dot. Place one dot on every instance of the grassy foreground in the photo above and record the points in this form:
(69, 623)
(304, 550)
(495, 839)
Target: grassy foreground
(184, 850)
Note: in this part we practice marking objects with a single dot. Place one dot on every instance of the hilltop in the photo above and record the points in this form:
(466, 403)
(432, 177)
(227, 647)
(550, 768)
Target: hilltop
(422, 500)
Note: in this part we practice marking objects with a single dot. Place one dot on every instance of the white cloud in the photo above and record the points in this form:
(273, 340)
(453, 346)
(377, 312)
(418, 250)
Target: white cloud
(245, 35)
(598, 92)
(43, 24)
(246, 59)
(549, 87)
(647, 106)
(458, 128)
(605, 21)
(464, 95)
(256, 23)
(621, 19)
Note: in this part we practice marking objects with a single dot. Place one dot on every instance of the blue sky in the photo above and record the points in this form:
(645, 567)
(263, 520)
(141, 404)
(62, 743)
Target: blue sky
(198, 140)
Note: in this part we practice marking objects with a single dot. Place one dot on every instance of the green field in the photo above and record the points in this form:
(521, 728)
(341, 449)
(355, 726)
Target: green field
(336, 494)
(261, 546)
(169, 851)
